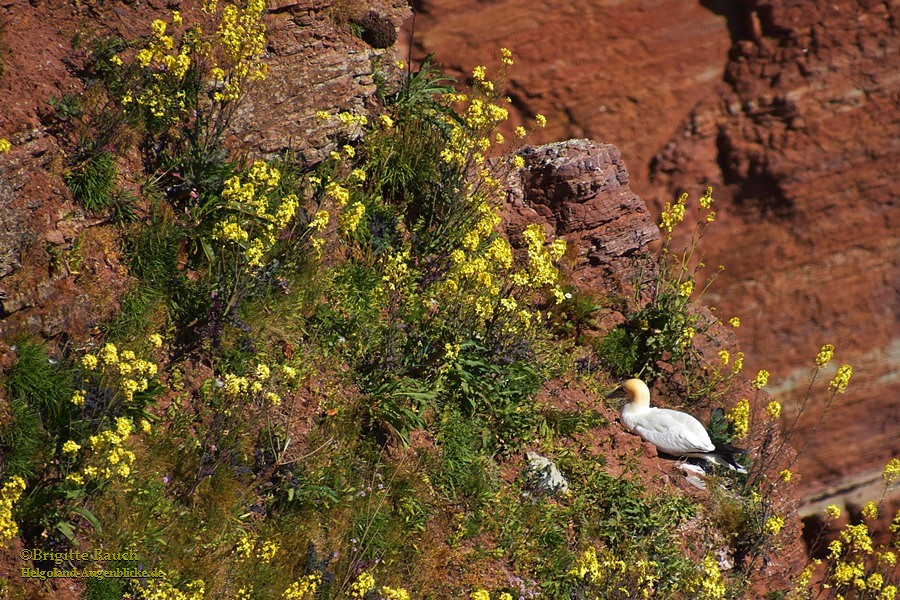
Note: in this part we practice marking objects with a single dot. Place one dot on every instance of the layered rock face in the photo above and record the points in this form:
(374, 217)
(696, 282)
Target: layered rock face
(61, 271)
(790, 111)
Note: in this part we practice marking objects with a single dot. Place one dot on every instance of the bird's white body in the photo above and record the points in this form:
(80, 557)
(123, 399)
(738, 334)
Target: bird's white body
(671, 431)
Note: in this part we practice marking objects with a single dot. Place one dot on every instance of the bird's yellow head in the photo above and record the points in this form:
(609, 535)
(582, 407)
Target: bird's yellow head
(637, 391)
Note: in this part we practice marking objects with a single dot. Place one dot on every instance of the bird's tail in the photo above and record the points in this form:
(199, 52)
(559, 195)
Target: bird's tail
(726, 453)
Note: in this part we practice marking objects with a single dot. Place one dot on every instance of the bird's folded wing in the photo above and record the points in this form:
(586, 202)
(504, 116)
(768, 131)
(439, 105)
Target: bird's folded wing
(674, 434)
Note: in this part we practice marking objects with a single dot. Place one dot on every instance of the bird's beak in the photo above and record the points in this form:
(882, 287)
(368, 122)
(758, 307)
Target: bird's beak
(616, 392)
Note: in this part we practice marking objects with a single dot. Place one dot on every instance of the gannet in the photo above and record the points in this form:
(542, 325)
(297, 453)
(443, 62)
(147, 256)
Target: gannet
(672, 431)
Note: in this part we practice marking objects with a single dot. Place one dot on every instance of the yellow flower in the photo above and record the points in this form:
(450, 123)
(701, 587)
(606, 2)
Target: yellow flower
(155, 340)
(478, 73)
(706, 200)
(262, 372)
(109, 354)
(394, 593)
(734, 322)
(518, 162)
(773, 409)
(785, 475)
(833, 511)
(686, 288)
(891, 470)
(724, 356)
(320, 221)
(540, 120)
(4, 145)
(825, 355)
(711, 216)
(739, 415)
(363, 584)
(520, 132)
(761, 379)
(839, 384)
(773, 525)
(888, 593)
(400, 64)
(70, 447)
(273, 399)
(738, 363)
(177, 21)
(304, 588)
(78, 398)
(386, 121)
(506, 56)
(338, 192)
(480, 595)
(870, 510)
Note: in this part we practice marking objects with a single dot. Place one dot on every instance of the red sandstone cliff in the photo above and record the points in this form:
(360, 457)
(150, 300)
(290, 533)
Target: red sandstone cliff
(790, 110)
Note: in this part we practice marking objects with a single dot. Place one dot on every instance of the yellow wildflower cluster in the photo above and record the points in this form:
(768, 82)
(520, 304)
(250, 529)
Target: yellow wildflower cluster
(739, 415)
(249, 546)
(734, 322)
(833, 511)
(542, 259)
(389, 593)
(854, 566)
(609, 573)
(242, 36)
(672, 215)
(686, 288)
(738, 364)
(258, 213)
(870, 510)
(480, 595)
(891, 470)
(724, 356)
(9, 494)
(773, 409)
(841, 380)
(773, 525)
(352, 217)
(785, 475)
(161, 589)
(825, 355)
(259, 385)
(4, 145)
(304, 588)
(125, 372)
(363, 584)
(108, 457)
(166, 68)
(709, 583)
(761, 379)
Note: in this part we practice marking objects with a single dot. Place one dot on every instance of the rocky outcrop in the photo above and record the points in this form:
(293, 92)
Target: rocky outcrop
(580, 190)
(315, 64)
(789, 110)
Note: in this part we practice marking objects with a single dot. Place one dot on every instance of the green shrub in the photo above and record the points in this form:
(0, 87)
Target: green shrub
(93, 182)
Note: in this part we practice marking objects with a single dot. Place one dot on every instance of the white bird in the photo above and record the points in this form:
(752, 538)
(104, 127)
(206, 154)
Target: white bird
(672, 431)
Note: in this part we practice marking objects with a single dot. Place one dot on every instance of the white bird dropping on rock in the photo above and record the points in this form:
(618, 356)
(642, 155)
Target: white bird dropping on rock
(671, 431)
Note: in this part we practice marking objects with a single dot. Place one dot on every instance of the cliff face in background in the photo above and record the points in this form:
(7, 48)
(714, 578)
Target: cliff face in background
(790, 111)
